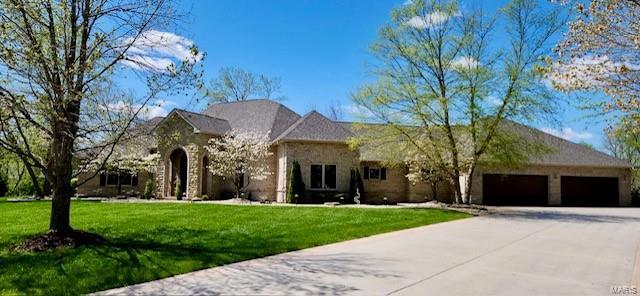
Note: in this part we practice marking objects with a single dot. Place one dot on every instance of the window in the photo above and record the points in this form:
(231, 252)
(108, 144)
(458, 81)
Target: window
(323, 176)
(375, 173)
(113, 179)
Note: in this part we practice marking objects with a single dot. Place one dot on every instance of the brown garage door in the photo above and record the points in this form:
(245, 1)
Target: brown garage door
(514, 190)
(589, 191)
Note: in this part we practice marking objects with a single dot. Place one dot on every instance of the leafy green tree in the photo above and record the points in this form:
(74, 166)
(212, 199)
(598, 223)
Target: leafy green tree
(444, 88)
(296, 187)
(57, 64)
(623, 141)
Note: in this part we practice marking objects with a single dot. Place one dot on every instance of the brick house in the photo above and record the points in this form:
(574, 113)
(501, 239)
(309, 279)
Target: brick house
(572, 175)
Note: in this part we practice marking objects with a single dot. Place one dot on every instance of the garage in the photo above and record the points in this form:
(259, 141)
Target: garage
(589, 191)
(515, 190)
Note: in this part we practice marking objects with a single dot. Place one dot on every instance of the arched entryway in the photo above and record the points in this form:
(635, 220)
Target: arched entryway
(179, 165)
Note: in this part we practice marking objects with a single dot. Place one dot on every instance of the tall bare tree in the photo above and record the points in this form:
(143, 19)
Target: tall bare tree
(445, 88)
(235, 84)
(58, 59)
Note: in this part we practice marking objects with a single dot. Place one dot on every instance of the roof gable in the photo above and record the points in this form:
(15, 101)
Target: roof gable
(255, 115)
(201, 123)
(316, 127)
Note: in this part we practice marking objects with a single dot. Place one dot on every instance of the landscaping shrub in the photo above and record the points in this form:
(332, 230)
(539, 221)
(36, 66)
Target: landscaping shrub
(148, 190)
(74, 185)
(178, 190)
(296, 185)
(355, 183)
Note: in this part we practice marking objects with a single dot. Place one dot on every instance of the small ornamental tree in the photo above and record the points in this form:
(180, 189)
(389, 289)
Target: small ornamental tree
(420, 170)
(178, 190)
(129, 157)
(296, 187)
(355, 185)
(238, 154)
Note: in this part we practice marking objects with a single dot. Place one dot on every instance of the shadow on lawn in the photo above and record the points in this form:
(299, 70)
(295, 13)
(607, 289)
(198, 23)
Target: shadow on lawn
(128, 260)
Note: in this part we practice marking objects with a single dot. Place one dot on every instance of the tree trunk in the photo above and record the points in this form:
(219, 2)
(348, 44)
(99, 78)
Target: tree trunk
(456, 186)
(62, 155)
(46, 187)
(34, 180)
(434, 190)
(467, 184)
(120, 184)
(61, 200)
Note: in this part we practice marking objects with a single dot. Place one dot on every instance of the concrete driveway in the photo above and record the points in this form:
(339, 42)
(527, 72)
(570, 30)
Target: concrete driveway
(518, 251)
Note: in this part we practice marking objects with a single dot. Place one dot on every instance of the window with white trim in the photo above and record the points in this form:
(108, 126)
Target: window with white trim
(323, 176)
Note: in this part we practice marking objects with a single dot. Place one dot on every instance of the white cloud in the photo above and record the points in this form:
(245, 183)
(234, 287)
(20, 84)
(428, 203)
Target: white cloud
(150, 110)
(464, 63)
(493, 101)
(431, 20)
(569, 134)
(156, 50)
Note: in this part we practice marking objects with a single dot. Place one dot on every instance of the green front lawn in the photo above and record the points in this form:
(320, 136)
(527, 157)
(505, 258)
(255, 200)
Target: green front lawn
(152, 241)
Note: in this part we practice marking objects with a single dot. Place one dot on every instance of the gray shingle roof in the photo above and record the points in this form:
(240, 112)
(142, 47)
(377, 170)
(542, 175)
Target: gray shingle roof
(286, 125)
(146, 127)
(316, 127)
(563, 152)
(203, 123)
(566, 152)
(255, 115)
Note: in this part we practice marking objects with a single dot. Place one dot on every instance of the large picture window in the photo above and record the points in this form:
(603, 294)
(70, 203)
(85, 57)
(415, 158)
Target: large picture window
(323, 176)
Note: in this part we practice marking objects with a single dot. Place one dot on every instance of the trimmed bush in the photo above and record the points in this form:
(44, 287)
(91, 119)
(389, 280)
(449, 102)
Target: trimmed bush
(74, 185)
(296, 185)
(148, 190)
(178, 190)
(356, 183)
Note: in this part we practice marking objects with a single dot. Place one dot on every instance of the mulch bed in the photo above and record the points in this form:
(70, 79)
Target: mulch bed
(54, 240)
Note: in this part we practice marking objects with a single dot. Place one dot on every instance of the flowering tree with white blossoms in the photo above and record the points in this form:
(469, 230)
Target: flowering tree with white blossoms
(601, 53)
(237, 154)
(129, 157)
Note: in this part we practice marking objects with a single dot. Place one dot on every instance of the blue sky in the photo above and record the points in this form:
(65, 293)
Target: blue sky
(318, 48)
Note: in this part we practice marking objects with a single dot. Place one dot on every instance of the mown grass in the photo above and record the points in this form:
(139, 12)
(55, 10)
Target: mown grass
(152, 241)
